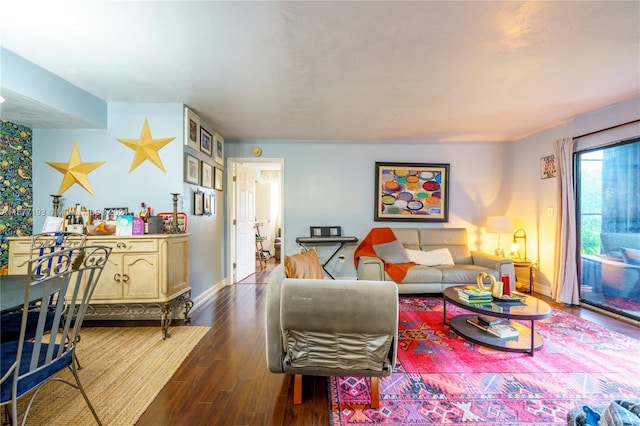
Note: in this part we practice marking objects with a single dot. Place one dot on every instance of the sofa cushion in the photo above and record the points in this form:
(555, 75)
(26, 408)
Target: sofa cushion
(431, 257)
(422, 274)
(303, 265)
(391, 252)
(454, 239)
(464, 273)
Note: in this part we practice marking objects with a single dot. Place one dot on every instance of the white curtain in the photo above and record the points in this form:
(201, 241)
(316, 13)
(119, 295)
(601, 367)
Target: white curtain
(565, 288)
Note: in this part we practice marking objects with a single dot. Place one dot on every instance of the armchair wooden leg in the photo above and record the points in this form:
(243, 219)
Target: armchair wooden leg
(375, 393)
(297, 389)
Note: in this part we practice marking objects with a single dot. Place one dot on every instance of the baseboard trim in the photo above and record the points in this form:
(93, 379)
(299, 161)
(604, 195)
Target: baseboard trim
(202, 299)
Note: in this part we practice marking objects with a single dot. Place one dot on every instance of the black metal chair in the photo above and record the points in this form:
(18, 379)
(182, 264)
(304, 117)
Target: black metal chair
(65, 280)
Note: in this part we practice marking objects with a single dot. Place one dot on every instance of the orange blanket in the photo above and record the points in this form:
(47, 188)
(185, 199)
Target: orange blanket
(397, 271)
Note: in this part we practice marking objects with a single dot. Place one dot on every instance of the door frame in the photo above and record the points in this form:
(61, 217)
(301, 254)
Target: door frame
(231, 207)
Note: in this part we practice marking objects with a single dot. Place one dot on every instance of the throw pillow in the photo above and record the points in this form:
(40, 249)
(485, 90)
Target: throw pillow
(430, 258)
(621, 413)
(391, 252)
(631, 256)
(303, 265)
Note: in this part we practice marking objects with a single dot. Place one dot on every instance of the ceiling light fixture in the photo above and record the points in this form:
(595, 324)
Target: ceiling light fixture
(1, 99)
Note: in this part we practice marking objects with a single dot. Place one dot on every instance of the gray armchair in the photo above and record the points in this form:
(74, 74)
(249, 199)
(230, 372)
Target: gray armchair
(323, 327)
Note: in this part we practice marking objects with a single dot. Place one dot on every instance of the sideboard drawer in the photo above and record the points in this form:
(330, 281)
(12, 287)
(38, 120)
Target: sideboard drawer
(130, 245)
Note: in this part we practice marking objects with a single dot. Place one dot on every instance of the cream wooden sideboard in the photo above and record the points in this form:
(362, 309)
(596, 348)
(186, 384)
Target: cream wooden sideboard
(146, 277)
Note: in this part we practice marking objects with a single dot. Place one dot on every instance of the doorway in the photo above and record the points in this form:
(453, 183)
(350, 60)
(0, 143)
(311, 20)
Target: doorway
(255, 208)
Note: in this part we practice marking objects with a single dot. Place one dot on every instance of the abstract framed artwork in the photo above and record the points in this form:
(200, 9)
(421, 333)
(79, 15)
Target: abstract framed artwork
(191, 169)
(217, 179)
(219, 147)
(412, 192)
(205, 141)
(207, 175)
(191, 129)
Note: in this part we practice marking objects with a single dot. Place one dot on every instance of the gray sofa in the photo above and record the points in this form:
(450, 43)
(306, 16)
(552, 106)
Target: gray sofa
(434, 279)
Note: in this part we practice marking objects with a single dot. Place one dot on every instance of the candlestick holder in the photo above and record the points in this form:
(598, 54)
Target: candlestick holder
(175, 227)
(56, 204)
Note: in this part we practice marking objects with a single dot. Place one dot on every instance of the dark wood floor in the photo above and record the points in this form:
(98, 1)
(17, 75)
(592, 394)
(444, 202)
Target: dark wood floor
(225, 380)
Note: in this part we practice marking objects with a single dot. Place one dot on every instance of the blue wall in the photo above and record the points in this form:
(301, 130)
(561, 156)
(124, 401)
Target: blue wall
(115, 186)
(332, 183)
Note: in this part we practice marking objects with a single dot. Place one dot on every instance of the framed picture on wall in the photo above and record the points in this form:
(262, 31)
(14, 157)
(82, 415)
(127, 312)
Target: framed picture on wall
(191, 129)
(219, 155)
(207, 175)
(205, 141)
(548, 167)
(411, 192)
(207, 203)
(198, 203)
(217, 179)
(191, 169)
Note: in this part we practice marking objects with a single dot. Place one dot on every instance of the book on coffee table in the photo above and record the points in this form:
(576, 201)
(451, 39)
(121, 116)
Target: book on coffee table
(500, 329)
(488, 320)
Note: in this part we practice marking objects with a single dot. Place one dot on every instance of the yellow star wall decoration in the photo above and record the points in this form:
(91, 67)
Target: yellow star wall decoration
(146, 147)
(75, 171)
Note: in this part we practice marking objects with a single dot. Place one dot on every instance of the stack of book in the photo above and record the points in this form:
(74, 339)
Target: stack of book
(494, 326)
(474, 295)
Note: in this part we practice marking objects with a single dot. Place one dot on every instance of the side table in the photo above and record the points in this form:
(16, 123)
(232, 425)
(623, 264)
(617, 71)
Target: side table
(526, 265)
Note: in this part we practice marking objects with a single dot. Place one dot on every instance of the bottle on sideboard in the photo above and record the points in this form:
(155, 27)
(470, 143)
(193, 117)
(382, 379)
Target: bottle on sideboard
(143, 216)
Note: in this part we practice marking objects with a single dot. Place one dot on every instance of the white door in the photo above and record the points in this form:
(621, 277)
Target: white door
(245, 220)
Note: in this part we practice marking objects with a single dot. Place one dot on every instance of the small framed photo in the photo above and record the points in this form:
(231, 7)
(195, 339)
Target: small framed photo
(207, 203)
(207, 175)
(219, 156)
(217, 179)
(198, 203)
(205, 141)
(191, 129)
(548, 167)
(191, 169)
(112, 213)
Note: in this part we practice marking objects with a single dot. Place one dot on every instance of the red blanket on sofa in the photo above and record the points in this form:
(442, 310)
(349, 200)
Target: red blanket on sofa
(397, 271)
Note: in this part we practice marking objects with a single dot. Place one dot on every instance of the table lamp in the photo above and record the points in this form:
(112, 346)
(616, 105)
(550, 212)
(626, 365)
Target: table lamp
(499, 225)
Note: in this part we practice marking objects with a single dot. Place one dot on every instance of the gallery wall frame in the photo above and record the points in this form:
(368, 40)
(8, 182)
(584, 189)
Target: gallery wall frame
(217, 179)
(206, 141)
(191, 129)
(411, 192)
(191, 169)
(207, 203)
(219, 149)
(206, 171)
(198, 203)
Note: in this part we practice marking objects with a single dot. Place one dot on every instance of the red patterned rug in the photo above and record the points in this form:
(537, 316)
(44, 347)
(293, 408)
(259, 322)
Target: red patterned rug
(443, 379)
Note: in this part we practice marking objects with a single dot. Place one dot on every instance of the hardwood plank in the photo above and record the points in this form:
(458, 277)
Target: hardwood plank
(225, 380)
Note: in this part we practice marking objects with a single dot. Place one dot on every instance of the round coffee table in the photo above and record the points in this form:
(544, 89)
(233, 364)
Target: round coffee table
(528, 309)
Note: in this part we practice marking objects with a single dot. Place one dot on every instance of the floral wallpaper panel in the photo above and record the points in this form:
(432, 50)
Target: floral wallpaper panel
(16, 189)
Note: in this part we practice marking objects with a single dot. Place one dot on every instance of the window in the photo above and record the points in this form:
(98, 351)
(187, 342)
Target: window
(608, 219)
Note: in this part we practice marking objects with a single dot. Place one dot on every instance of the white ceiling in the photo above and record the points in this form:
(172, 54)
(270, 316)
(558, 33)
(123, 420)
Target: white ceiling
(384, 70)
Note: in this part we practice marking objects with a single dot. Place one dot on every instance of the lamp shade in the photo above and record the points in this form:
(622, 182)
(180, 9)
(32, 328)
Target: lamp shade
(499, 225)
